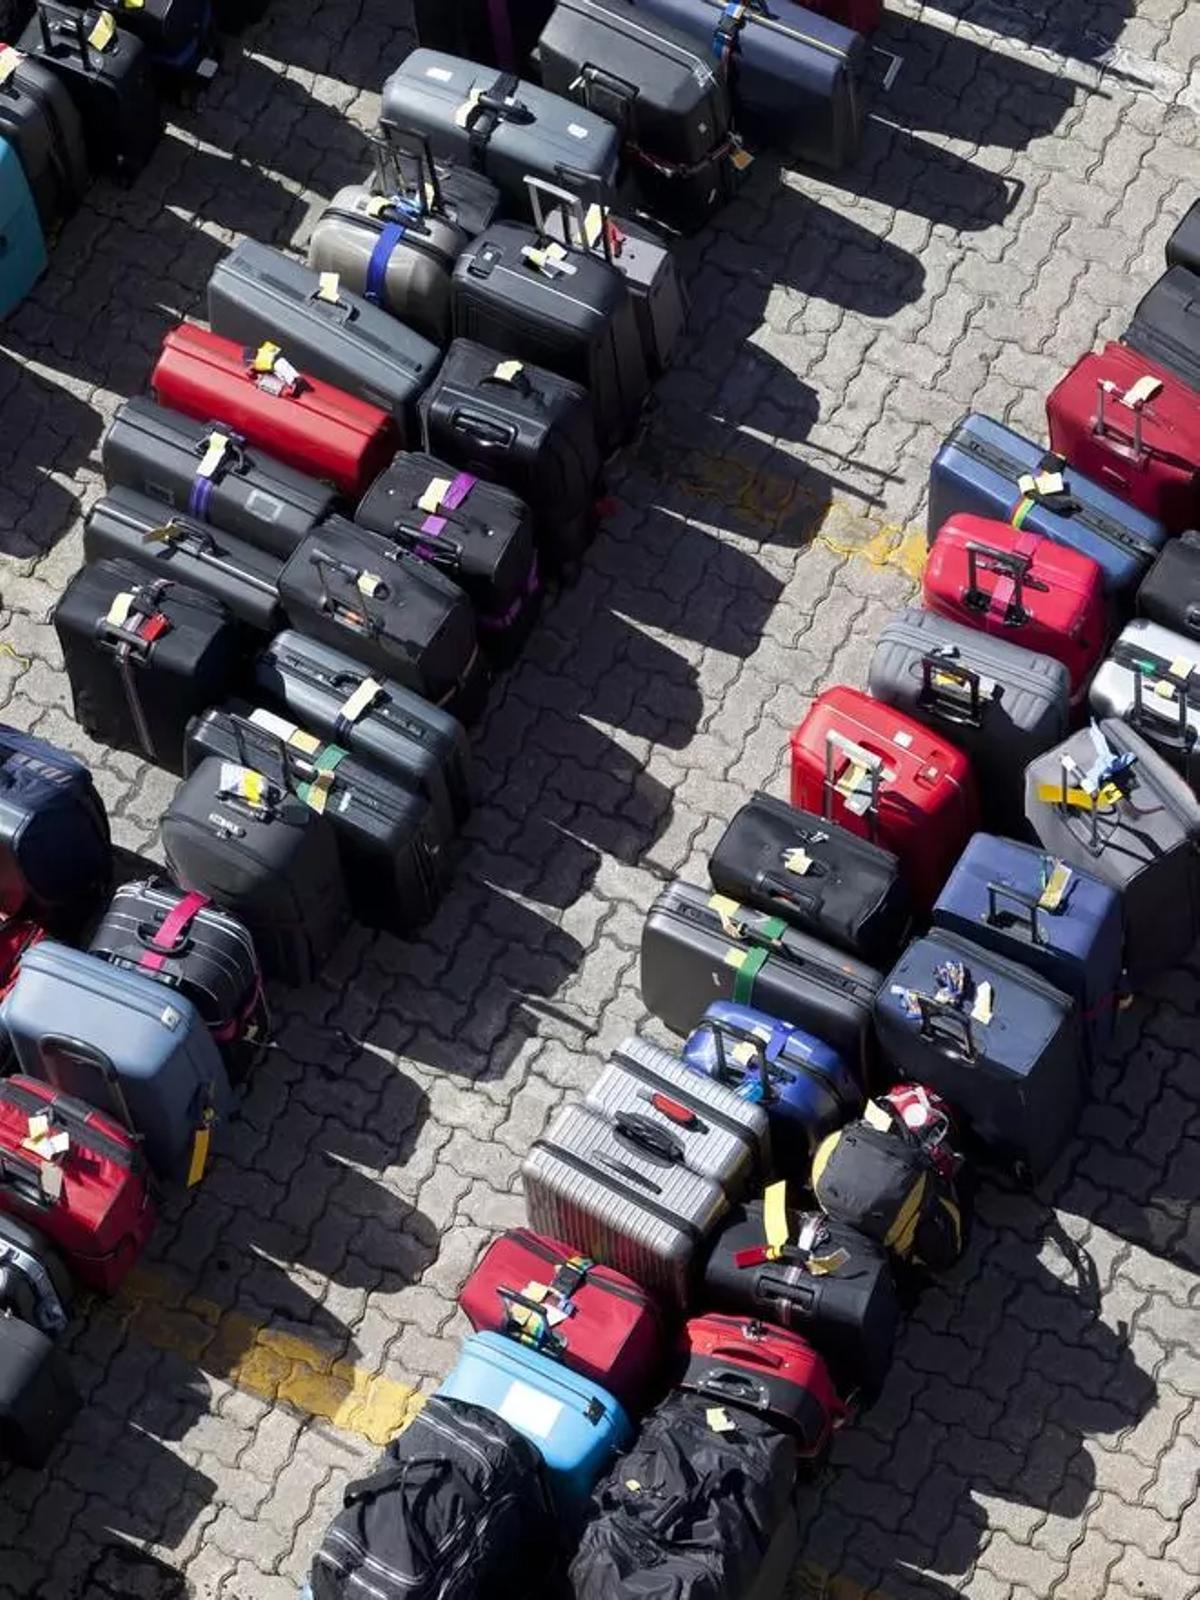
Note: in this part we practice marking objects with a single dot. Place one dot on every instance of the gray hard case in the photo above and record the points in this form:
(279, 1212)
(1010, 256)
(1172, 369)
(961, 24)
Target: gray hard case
(1151, 680)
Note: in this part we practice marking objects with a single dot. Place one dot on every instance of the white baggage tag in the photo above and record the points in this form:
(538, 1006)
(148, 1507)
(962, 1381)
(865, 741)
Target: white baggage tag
(369, 584)
(435, 492)
(214, 454)
(328, 285)
(291, 735)
(1049, 483)
(118, 612)
(798, 861)
(744, 1053)
(876, 1117)
(1181, 667)
(1057, 883)
(508, 371)
(242, 782)
(727, 910)
(10, 60)
(51, 1179)
(463, 115)
(983, 1005)
(1144, 389)
(361, 700)
(593, 225)
(854, 786)
(719, 1420)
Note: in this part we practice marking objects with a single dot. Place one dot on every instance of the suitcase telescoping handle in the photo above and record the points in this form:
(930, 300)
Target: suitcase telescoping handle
(325, 563)
(388, 149)
(1007, 563)
(1030, 904)
(1139, 718)
(55, 17)
(942, 1021)
(856, 755)
(571, 208)
(726, 1073)
(1103, 389)
(58, 1049)
(934, 694)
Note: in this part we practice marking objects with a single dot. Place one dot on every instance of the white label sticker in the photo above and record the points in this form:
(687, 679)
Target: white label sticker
(902, 738)
(530, 1411)
(576, 131)
(439, 74)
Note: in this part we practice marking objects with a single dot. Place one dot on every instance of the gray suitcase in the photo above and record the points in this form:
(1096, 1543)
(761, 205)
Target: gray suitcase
(1104, 801)
(1151, 680)
(1000, 704)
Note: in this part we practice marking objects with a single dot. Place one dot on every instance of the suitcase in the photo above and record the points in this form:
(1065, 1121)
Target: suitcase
(206, 472)
(828, 1283)
(879, 773)
(526, 428)
(388, 727)
(1062, 922)
(300, 421)
(17, 934)
(23, 259)
(577, 1426)
(699, 947)
(142, 656)
(392, 861)
(55, 847)
(257, 294)
(186, 944)
(806, 1088)
(109, 76)
(1002, 705)
(1170, 591)
(1166, 325)
(406, 166)
(39, 119)
(176, 34)
(547, 1296)
(38, 1397)
(1022, 587)
(500, 125)
(986, 469)
(396, 614)
(501, 33)
(35, 1285)
(1151, 680)
(1183, 247)
(127, 528)
(818, 877)
(90, 1198)
(254, 848)
(1120, 812)
(862, 16)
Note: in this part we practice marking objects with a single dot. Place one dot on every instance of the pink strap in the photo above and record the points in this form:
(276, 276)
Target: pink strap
(1002, 594)
(177, 921)
(454, 496)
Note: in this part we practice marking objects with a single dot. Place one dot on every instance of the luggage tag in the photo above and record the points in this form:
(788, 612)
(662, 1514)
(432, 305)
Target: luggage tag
(434, 496)
(1056, 881)
(272, 372)
(727, 910)
(201, 1141)
(550, 260)
(213, 456)
(10, 60)
(509, 371)
(103, 32)
(328, 286)
(719, 1420)
(292, 735)
(1146, 388)
(242, 783)
(798, 861)
(467, 110)
(363, 698)
(740, 158)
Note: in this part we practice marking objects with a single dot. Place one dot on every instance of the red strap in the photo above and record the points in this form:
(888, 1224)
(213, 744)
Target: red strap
(1002, 594)
(755, 1256)
(178, 920)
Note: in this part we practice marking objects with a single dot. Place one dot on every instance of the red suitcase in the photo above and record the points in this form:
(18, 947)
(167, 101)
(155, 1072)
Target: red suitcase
(1020, 586)
(889, 779)
(755, 1366)
(864, 16)
(1134, 428)
(596, 1321)
(88, 1197)
(301, 421)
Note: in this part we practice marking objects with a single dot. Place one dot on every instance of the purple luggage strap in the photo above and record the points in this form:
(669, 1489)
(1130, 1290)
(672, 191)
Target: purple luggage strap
(454, 496)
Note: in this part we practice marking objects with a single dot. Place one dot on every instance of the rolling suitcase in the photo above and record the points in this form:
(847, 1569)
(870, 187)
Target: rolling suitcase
(1166, 325)
(988, 470)
(258, 295)
(177, 34)
(300, 421)
(501, 33)
(879, 773)
(1151, 680)
(38, 1397)
(818, 877)
(549, 1297)
(23, 259)
(526, 428)
(1106, 802)
(1060, 921)
(1170, 591)
(1183, 247)
(406, 168)
(39, 119)
(775, 1374)
(34, 1282)
(206, 472)
(55, 846)
(698, 947)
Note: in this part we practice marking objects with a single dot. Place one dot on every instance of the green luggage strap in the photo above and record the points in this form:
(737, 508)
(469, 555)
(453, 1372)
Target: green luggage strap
(315, 793)
(762, 940)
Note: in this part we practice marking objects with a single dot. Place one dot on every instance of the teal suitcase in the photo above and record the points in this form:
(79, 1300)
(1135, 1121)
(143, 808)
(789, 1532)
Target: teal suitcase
(22, 242)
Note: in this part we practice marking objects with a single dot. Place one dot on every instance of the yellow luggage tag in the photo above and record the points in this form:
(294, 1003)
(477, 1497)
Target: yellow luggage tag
(1051, 794)
(243, 783)
(775, 1219)
(133, 5)
(363, 698)
(328, 285)
(266, 356)
(201, 1141)
(214, 454)
(103, 32)
(1055, 887)
(435, 492)
(728, 911)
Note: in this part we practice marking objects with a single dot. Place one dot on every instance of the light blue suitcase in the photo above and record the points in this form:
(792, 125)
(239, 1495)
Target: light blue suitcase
(22, 242)
(124, 1044)
(578, 1426)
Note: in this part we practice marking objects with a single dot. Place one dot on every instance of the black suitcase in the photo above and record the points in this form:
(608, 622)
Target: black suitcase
(111, 84)
(138, 669)
(177, 34)
(1166, 325)
(35, 1285)
(497, 33)
(125, 526)
(376, 719)
(206, 472)
(817, 876)
(243, 838)
(526, 428)
(38, 1397)
(393, 864)
(1170, 591)
(39, 118)
(406, 166)
(1183, 247)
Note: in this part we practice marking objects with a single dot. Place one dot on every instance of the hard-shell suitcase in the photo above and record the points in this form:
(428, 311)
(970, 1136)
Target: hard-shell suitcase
(1170, 591)
(38, 1397)
(1151, 680)
(1183, 247)
(207, 472)
(986, 468)
(35, 1284)
(1063, 922)
(882, 774)
(741, 1362)
(548, 1296)
(258, 295)
(307, 425)
(818, 877)
(576, 1425)
(177, 34)
(1106, 802)
(698, 947)
(374, 718)
(39, 119)
(1000, 704)
(406, 167)
(23, 259)
(176, 937)
(1022, 587)
(526, 428)
(1166, 325)
(55, 846)
(501, 33)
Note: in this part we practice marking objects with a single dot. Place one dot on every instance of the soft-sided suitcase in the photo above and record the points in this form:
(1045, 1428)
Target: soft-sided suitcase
(406, 167)
(23, 258)
(55, 847)
(35, 1284)
(257, 295)
(699, 947)
(1106, 802)
(882, 774)
(206, 472)
(548, 1296)
(376, 719)
(244, 840)
(1063, 922)
(307, 425)
(1170, 591)
(577, 1426)
(183, 942)
(1000, 704)
(38, 1397)
(1004, 1046)
(1022, 587)
(39, 119)
(1183, 247)
(818, 877)
(1166, 325)
(501, 33)
(526, 428)
(987, 469)
(177, 34)
(1151, 680)
(82, 1184)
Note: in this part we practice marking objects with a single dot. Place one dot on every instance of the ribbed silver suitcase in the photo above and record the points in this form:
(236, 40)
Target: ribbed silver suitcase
(1151, 680)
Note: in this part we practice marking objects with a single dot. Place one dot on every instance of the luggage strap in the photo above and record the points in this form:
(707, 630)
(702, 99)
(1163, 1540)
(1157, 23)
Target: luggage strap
(1012, 569)
(356, 705)
(168, 940)
(315, 792)
(391, 236)
(497, 621)
(1111, 779)
(485, 109)
(1046, 488)
(725, 35)
(137, 624)
(214, 449)
(732, 148)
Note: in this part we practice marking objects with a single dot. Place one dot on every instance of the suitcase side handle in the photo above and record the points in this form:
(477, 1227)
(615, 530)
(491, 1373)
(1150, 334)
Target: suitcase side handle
(1030, 903)
(647, 1138)
(56, 1049)
(942, 1021)
(570, 207)
(1006, 564)
(856, 755)
(933, 694)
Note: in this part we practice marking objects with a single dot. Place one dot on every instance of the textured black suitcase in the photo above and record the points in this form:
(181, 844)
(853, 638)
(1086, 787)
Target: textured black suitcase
(138, 669)
(38, 117)
(35, 1285)
(38, 1397)
(1166, 324)
(1170, 591)
(406, 166)
(1183, 247)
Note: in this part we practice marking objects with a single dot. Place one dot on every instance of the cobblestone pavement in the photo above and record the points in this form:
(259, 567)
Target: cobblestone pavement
(1040, 1434)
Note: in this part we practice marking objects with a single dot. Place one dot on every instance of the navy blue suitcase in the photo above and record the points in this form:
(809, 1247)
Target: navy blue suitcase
(55, 847)
(978, 469)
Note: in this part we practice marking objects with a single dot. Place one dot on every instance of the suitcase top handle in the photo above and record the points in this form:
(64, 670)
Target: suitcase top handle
(1141, 718)
(934, 665)
(647, 1138)
(856, 756)
(727, 1383)
(942, 1020)
(1030, 903)
(327, 299)
(570, 207)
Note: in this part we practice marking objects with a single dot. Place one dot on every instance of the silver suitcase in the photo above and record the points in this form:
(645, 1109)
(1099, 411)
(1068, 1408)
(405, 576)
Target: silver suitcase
(1151, 680)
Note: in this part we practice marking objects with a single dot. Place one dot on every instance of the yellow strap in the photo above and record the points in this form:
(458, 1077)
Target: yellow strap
(327, 287)
(900, 1235)
(821, 1158)
(435, 493)
(775, 1219)
(361, 700)
(103, 32)
(118, 612)
(1051, 794)
(200, 1143)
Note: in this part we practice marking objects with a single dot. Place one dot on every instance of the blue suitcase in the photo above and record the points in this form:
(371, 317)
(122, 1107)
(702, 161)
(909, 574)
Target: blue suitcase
(1009, 898)
(577, 1426)
(22, 242)
(123, 1044)
(806, 1087)
(978, 470)
(55, 849)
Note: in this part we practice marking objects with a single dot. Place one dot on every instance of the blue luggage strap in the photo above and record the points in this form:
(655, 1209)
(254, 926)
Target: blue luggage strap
(725, 35)
(390, 237)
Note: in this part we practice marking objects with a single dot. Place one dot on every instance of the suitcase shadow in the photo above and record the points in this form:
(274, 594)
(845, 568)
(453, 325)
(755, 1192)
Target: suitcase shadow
(1079, 29)
(40, 463)
(898, 168)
